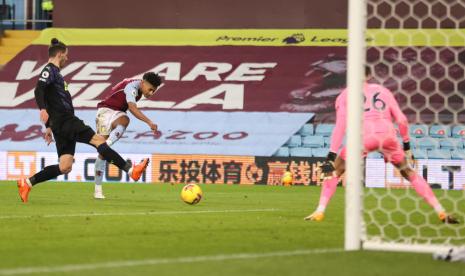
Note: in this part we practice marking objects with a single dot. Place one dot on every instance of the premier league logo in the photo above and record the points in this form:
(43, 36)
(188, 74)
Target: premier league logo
(294, 39)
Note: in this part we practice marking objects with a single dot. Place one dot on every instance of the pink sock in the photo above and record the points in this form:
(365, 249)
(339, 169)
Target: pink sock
(327, 191)
(424, 190)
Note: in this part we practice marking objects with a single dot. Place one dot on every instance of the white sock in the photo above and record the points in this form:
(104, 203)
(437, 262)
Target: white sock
(439, 209)
(98, 189)
(321, 208)
(28, 182)
(99, 171)
(115, 134)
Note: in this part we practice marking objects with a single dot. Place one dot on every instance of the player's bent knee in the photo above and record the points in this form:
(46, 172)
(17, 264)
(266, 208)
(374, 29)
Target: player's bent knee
(66, 168)
(125, 121)
(407, 172)
(97, 140)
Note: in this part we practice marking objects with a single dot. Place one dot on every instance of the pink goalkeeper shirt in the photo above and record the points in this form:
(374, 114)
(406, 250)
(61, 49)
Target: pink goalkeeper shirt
(381, 110)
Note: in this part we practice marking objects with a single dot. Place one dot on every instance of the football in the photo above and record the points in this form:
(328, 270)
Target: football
(191, 194)
(286, 179)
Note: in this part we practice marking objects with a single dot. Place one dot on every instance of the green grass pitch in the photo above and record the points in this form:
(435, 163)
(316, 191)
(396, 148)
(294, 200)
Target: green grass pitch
(147, 230)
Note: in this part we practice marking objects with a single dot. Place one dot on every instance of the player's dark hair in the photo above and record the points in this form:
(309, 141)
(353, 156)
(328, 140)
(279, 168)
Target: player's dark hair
(56, 47)
(367, 70)
(152, 78)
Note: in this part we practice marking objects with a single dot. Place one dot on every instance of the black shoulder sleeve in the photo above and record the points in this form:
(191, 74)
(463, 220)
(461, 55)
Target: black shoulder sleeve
(44, 80)
(39, 94)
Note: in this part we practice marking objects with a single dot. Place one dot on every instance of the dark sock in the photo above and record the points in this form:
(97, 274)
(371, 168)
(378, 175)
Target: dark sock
(113, 157)
(47, 173)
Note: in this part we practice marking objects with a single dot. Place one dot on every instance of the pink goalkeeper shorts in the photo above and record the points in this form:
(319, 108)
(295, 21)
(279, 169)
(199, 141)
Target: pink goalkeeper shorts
(388, 145)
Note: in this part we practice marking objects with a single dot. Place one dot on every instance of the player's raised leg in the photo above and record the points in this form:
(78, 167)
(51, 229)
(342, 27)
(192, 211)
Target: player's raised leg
(134, 171)
(117, 131)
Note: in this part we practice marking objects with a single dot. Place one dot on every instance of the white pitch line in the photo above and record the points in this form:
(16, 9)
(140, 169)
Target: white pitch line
(132, 263)
(155, 213)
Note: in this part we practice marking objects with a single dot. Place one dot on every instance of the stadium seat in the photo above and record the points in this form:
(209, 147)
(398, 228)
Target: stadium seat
(458, 131)
(418, 131)
(413, 142)
(327, 141)
(439, 154)
(324, 129)
(458, 154)
(294, 141)
(301, 152)
(374, 155)
(306, 130)
(320, 152)
(313, 142)
(427, 143)
(419, 154)
(439, 131)
(451, 143)
(282, 152)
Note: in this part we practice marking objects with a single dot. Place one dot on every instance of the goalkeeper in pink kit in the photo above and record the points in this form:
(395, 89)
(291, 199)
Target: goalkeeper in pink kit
(381, 110)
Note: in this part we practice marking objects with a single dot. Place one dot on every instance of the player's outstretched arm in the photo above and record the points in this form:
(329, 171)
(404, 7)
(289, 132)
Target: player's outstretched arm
(141, 116)
(399, 117)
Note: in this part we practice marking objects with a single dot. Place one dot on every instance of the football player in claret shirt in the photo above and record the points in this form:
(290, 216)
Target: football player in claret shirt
(57, 113)
(112, 119)
(381, 110)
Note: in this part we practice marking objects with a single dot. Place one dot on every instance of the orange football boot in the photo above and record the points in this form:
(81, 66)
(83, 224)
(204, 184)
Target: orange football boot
(138, 170)
(447, 219)
(23, 189)
(316, 216)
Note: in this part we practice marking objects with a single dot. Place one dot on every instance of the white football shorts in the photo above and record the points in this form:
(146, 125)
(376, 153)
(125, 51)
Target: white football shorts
(105, 117)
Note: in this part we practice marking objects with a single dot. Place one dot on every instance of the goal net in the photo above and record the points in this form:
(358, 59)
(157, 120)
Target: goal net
(416, 49)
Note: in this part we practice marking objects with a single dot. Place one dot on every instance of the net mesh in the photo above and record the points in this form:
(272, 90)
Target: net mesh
(417, 52)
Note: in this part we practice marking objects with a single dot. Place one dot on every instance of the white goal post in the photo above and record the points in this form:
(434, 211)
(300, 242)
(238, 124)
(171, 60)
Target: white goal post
(355, 77)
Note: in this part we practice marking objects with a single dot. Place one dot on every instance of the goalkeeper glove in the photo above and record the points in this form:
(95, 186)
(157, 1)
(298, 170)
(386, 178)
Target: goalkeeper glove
(409, 155)
(327, 167)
